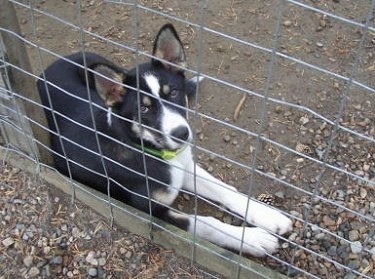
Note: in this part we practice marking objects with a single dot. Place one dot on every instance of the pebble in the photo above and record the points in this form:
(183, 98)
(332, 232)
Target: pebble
(75, 232)
(328, 221)
(91, 258)
(226, 138)
(356, 247)
(102, 261)
(28, 260)
(93, 272)
(287, 23)
(332, 251)
(8, 242)
(353, 235)
(34, 271)
(320, 236)
(57, 260)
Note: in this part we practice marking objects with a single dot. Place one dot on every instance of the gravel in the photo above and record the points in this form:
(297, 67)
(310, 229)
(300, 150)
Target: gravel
(43, 236)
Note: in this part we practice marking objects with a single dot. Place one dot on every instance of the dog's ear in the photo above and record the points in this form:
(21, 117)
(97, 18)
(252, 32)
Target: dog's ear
(108, 84)
(168, 47)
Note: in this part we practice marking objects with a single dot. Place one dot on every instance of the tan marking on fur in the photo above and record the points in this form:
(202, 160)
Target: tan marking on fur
(166, 89)
(147, 101)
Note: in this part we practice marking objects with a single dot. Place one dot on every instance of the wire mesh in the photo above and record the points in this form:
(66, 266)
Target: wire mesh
(285, 108)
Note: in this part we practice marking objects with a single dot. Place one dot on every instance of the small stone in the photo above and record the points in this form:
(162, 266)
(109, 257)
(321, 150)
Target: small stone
(300, 160)
(319, 44)
(363, 193)
(359, 172)
(354, 264)
(128, 254)
(366, 167)
(102, 261)
(320, 236)
(122, 250)
(304, 120)
(8, 241)
(46, 250)
(75, 232)
(287, 23)
(280, 194)
(332, 251)
(226, 138)
(93, 272)
(28, 260)
(328, 221)
(353, 235)
(91, 258)
(18, 201)
(64, 227)
(34, 271)
(70, 274)
(356, 247)
(57, 260)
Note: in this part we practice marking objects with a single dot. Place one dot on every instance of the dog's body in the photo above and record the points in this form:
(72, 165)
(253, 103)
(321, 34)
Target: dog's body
(106, 153)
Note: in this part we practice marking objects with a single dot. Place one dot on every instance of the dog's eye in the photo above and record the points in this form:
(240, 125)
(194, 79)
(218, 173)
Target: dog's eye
(144, 109)
(173, 93)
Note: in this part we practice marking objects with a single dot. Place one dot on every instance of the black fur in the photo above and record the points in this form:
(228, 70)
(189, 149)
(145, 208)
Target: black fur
(79, 141)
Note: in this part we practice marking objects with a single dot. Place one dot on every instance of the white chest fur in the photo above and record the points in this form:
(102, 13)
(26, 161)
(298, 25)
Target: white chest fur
(178, 168)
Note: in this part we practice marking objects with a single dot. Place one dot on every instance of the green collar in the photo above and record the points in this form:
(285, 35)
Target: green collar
(162, 154)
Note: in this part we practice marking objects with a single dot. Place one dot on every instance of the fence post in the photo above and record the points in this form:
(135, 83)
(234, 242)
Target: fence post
(22, 83)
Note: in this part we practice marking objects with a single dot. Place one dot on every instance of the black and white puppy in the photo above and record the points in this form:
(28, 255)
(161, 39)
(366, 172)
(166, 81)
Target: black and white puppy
(101, 118)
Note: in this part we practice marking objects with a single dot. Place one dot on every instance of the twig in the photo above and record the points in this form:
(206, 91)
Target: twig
(239, 107)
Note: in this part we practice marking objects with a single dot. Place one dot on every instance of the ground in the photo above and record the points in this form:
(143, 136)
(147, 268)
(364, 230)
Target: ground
(317, 113)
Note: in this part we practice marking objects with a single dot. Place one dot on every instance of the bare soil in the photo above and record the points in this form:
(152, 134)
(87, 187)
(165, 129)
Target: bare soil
(237, 126)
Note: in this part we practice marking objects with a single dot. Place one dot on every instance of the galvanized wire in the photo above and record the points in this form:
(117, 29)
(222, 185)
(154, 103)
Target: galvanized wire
(322, 163)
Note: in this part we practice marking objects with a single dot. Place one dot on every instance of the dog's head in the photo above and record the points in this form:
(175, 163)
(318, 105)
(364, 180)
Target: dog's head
(157, 110)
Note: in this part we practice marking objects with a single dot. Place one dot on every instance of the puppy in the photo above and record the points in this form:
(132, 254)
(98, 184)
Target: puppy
(125, 134)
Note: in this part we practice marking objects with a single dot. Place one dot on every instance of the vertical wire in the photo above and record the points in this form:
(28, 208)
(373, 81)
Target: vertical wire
(136, 37)
(202, 15)
(52, 111)
(336, 128)
(81, 38)
(262, 117)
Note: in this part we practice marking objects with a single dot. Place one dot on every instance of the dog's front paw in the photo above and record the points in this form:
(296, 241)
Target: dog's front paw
(268, 218)
(259, 242)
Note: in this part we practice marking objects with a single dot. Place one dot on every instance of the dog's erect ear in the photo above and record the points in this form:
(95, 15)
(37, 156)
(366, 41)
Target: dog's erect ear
(108, 84)
(168, 47)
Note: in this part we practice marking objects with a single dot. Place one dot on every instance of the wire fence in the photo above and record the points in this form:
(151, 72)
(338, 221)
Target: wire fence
(285, 111)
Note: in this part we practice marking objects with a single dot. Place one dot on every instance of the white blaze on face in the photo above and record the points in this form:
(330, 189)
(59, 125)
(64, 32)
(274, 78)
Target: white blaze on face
(153, 83)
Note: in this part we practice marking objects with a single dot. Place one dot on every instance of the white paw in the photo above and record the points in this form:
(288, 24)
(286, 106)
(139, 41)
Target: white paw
(259, 242)
(268, 218)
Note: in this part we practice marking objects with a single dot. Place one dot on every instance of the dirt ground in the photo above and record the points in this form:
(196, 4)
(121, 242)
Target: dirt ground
(229, 120)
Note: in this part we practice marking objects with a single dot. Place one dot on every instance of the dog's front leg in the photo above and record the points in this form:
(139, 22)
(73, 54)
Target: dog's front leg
(256, 213)
(254, 241)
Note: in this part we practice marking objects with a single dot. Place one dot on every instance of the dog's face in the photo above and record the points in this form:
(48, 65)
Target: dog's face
(157, 110)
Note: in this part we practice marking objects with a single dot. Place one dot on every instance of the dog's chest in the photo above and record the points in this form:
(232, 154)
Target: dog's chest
(179, 167)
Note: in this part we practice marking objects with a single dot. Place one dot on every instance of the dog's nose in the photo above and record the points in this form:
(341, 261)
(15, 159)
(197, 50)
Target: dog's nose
(181, 133)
